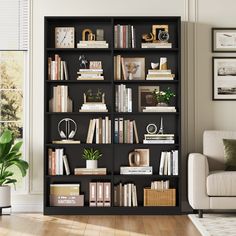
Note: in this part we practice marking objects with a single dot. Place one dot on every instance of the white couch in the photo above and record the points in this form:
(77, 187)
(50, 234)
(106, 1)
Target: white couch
(209, 186)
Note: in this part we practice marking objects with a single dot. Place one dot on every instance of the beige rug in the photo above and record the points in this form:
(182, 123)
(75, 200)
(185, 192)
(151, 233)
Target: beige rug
(215, 224)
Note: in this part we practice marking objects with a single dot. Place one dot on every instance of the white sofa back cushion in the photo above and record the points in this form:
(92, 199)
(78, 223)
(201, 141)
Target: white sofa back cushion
(213, 147)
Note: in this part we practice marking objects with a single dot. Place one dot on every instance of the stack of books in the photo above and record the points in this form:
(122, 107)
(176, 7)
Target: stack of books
(125, 131)
(90, 74)
(99, 194)
(66, 195)
(57, 69)
(60, 101)
(93, 107)
(159, 109)
(99, 131)
(56, 160)
(136, 170)
(125, 36)
(123, 98)
(87, 171)
(125, 195)
(156, 45)
(92, 44)
(160, 185)
(160, 75)
(159, 139)
(169, 163)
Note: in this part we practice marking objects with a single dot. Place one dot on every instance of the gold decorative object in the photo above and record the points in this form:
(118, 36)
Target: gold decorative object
(148, 37)
(156, 29)
(89, 32)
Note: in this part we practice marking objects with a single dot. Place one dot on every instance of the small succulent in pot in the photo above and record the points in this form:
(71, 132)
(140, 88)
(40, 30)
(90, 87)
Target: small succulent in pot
(91, 156)
(163, 97)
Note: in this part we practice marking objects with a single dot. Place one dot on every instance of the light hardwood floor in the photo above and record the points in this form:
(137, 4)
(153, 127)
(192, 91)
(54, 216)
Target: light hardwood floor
(37, 224)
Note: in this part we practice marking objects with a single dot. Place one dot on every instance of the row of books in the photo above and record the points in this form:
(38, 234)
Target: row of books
(124, 36)
(99, 131)
(160, 75)
(125, 131)
(160, 185)
(92, 44)
(90, 74)
(57, 69)
(100, 194)
(66, 195)
(169, 163)
(60, 102)
(57, 162)
(120, 72)
(125, 195)
(123, 98)
(159, 139)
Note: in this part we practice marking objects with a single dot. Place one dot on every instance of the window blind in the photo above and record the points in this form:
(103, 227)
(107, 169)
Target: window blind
(14, 24)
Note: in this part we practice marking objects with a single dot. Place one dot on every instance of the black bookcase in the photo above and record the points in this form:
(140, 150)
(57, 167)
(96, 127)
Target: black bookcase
(114, 155)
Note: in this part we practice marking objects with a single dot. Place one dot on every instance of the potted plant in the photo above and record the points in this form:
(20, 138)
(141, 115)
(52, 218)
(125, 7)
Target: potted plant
(163, 97)
(10, 155)
(91, 156)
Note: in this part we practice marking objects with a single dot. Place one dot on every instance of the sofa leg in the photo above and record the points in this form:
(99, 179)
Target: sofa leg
(200, 213)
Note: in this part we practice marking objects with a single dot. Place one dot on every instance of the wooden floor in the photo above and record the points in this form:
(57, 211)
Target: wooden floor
(36, 224)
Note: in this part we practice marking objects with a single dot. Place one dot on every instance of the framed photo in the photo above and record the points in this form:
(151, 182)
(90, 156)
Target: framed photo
(156, 30)
(224, 78)
(133, 68)
(145, 97)
(223, 39)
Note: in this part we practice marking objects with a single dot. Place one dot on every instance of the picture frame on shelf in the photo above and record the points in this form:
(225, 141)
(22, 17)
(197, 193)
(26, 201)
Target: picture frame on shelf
(223, 39)
(145, 97)
(133, 68)
(224, 78)
(156, 29)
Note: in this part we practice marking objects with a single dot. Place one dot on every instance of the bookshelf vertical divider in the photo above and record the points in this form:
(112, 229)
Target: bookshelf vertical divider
(114, 155)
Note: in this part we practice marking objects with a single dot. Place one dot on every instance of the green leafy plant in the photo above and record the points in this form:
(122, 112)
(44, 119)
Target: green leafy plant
(163, 96)
(10, 155)
(94, 97)
(91, 154)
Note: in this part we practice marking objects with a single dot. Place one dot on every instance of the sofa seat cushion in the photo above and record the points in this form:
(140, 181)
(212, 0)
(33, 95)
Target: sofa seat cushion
(221, 183)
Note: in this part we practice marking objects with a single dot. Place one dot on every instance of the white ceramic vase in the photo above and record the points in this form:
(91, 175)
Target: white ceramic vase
(5, 196)
(91, 164)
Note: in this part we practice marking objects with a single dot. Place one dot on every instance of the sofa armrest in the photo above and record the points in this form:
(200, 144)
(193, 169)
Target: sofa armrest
(198, 171)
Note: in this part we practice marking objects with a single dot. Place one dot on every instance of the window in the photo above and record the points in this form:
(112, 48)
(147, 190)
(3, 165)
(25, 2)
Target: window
(12, 73)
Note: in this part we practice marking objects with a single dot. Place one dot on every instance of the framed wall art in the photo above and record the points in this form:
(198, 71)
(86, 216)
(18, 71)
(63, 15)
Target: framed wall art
(224, 78)
(223, 39)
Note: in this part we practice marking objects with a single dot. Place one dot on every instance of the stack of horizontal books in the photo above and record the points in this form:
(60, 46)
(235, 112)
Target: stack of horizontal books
(93, 107)
(159, 139)
(160, 75)
(88, 171)
(159, 109)
(136, 170)
(156, 45)
(92, 44)
(90, 74)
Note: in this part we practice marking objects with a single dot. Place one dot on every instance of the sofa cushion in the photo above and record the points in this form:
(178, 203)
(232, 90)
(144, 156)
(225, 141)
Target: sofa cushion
(221, 183)
(230, 154)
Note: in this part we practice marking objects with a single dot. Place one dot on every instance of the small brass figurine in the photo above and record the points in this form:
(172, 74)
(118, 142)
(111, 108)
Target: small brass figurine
(90, 35)
(148, 37)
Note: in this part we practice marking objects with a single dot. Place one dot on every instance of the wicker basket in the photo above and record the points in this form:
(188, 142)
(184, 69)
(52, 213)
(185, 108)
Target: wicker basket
(154, 197)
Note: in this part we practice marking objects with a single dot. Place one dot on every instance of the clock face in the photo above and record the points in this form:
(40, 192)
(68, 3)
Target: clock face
(163, 36)
(64, 37)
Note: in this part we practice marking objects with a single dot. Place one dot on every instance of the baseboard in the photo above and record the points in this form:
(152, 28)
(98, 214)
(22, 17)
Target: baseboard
(28, 208)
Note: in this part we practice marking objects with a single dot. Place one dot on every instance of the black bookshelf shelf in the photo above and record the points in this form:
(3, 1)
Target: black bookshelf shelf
(114, 155)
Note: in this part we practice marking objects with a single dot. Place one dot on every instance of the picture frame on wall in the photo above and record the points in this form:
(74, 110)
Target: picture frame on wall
(223, 39)
(145, 97)
(224, 78)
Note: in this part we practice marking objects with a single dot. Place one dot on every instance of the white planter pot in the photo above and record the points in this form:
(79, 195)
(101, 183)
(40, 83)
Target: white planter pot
(91, 164)
(5, 196)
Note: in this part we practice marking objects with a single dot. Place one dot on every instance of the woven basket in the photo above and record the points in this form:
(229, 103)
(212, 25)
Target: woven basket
(154, 197)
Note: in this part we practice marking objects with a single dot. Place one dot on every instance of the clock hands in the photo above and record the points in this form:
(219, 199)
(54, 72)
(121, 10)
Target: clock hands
(64, 37)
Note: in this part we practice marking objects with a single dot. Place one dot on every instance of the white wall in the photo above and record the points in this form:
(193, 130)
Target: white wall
(199, 111)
